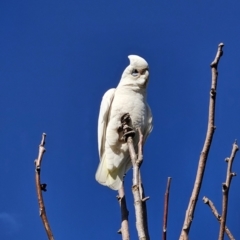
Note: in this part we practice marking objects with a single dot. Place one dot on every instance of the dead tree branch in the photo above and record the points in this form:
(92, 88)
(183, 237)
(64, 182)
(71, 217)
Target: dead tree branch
(141, 222)
(218, 217)
(136, 161)
(42, 187)
(124, 214)
(225, 190)
(144, 205)
(165, 215)
(206, 147)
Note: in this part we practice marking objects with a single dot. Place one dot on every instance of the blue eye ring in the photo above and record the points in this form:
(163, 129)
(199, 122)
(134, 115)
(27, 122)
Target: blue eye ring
(135, 72)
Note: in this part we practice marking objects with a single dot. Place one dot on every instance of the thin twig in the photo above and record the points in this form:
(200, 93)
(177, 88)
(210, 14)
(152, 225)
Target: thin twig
(42, 187)
(165, 215)
(124, 214)
(218, 217)
(206, 147)
(225, 190)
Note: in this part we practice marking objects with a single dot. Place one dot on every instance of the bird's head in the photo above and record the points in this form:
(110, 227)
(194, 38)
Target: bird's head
(136, 74)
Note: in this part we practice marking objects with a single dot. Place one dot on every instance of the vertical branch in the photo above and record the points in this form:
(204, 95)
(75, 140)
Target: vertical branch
(206, 147)
(124, 214)
(144, 206)
(165, 215)
(128, 134)
(42, 187)
(218, 217)
(225, 190)
(136, 161)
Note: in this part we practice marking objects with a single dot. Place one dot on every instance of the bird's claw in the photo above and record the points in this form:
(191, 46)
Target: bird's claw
(127, 130)
(125, 119)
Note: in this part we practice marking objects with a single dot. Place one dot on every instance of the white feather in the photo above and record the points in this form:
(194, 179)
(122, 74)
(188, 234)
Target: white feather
(103, 116)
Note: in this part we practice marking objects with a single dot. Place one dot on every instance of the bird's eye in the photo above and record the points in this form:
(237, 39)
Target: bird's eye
(135, 72)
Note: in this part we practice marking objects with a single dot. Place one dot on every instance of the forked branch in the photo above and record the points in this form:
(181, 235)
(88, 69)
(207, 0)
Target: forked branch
(225, 190)
(128, 134)
(218, 216)
(42, 187)
(206, 147)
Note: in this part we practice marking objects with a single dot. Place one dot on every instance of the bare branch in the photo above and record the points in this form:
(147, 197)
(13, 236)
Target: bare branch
(124, 214)
(42, 187)
(225, 190)
(42, 150)
(128, 134)
(165, 215)
(144, 205)
(206, 147)
(218, 217)
(136, 192)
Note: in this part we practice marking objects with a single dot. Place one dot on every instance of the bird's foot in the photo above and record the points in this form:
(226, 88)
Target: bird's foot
(127, 130)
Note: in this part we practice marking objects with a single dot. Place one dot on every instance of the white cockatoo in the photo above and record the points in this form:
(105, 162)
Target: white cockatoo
(129, 97)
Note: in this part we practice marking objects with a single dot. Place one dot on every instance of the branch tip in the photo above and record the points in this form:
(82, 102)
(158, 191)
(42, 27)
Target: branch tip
(43, 139)
(236, 146)
(145, 199)
(226, 159)
(205, 200)
(218, 55)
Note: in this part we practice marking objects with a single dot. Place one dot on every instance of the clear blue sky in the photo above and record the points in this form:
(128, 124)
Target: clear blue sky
(57, 60)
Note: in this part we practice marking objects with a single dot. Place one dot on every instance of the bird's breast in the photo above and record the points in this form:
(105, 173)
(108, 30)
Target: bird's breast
(132, 102)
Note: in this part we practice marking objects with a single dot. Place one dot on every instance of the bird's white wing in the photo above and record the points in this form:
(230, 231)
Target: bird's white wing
(103, 118)
(149, 126)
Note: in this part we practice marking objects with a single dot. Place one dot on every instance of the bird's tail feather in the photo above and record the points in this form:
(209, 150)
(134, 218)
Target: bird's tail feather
(111, 179)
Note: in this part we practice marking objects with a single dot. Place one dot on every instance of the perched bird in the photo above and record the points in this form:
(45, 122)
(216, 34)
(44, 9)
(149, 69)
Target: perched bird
(129, 97)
